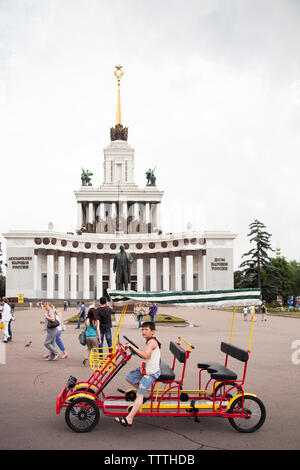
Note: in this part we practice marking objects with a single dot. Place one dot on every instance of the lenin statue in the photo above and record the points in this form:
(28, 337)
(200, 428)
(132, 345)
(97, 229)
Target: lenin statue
(121, 267)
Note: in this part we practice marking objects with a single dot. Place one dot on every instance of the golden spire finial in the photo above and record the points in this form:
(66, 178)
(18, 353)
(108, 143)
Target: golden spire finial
(118, 74)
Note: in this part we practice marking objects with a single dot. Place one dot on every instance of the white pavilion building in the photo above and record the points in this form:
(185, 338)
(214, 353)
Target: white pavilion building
(51, 265)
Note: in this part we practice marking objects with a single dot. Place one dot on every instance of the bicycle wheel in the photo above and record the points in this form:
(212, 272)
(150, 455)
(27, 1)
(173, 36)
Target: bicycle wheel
(219, 390)
(82, 414)
(256, 414)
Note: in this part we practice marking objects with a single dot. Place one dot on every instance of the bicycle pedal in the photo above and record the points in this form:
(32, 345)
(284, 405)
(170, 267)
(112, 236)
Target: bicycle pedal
(121, 391)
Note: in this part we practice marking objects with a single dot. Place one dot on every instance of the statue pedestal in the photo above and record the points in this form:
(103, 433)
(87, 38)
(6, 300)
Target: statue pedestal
(119, 308)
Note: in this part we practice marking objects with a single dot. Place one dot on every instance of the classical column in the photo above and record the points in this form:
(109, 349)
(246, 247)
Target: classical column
(178, 272)
(140, 272)
(113, 210)
(86, 276)
(166, 271)
(124, 209)
(112, 275)
(79, 215)
(61, 274)
(99, 275)
(153, 273)
(50, 274)
(73, 269)
(158, 221)
(189, 270)
(91, 213)
(101, 210)
(125, 215)
(136, 211)
(147, 217)
(204, 270)
(35, 272)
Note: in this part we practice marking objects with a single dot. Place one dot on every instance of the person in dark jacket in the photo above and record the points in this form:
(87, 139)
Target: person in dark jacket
(104, 313)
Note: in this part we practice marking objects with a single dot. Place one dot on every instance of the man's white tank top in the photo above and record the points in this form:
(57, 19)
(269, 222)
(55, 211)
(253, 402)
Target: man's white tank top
(152, 365)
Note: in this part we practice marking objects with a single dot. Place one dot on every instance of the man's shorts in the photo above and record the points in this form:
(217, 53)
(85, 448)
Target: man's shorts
(144, 381)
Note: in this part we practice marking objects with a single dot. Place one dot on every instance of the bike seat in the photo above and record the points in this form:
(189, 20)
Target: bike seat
(217, 370)
(222, 373)
(209, 364)
(166, 373)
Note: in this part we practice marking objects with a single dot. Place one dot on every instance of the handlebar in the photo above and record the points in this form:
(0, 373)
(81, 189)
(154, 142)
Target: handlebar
(132, 350)
(190, 346)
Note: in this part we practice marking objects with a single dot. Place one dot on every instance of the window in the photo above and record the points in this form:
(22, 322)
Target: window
(44, 281)
(195, 282)
(92, 283)
(56, 282)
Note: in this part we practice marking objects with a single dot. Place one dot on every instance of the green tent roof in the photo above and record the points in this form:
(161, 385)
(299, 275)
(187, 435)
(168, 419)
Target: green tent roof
(221, 298)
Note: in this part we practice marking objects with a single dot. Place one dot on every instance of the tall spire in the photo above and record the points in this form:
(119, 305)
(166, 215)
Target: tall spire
(118, 132)
(118, 74)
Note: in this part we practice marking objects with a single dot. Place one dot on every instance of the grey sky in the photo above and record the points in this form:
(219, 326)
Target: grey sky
(211, 97)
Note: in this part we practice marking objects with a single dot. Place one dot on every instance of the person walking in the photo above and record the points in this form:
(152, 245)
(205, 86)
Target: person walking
(81, 314)
(49, 343)
(92, 332)
(58, 339)
(153, 311)
(140, 310)
(104, 313)
(6, 319)
(245, 312)
(12, 312)
(263, 313)
(252, 311)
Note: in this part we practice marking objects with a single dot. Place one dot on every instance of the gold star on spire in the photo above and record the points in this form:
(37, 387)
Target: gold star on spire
(118, 74)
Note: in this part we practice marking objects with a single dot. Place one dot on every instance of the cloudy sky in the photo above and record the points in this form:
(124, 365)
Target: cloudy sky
(210, 94)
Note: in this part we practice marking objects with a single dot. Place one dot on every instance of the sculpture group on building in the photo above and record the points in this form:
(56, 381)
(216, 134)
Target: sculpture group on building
(151, 178)
(86, 178)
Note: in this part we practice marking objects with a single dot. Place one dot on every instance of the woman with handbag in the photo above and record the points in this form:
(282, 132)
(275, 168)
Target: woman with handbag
(92, 332)
(51, 323)
(58, 338)
(140, 311)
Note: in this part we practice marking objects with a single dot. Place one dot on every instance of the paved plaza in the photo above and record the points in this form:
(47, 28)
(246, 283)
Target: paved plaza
(30, 385)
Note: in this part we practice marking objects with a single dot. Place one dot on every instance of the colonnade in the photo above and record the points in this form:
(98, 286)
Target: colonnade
(58, 258)
(92, 213)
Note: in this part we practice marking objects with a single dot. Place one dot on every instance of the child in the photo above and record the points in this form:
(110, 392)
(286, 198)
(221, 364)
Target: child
(142, 378)
(245, 311)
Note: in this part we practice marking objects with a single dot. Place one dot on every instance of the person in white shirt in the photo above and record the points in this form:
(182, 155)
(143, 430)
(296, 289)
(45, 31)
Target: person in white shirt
(245, 311)
(6, 317)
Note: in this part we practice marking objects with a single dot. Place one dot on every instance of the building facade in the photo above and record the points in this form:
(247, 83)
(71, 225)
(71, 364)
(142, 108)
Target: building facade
(79, 265)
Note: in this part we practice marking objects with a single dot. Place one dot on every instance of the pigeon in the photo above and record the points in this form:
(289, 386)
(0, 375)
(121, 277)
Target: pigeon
(28, 344)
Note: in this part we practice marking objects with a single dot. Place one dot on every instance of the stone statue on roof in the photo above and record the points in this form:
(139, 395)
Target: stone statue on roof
(86, 178)
(151, 178)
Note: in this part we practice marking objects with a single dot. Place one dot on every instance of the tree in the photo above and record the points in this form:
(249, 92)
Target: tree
(258, 258)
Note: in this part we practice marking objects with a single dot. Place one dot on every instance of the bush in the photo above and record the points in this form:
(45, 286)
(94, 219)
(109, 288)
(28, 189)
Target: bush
(273, 304)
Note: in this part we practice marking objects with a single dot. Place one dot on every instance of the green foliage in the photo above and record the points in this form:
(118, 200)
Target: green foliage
(278, 277)
(256, 269)
(258, 255)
